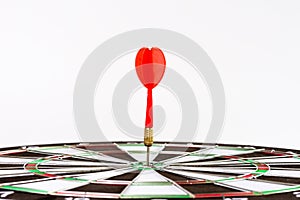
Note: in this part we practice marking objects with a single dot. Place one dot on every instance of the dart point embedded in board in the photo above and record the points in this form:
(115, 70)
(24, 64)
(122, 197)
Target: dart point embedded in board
(150, 65)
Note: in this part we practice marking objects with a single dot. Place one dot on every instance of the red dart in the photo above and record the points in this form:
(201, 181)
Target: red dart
(150, 65)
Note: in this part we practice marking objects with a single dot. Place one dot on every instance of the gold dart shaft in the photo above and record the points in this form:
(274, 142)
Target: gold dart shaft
(148, 141)
(148, 137)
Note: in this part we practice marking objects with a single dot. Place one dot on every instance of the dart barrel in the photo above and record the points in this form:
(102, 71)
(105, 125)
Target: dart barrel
(148, 137)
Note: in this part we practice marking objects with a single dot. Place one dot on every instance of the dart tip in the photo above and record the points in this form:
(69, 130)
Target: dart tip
(148, 157)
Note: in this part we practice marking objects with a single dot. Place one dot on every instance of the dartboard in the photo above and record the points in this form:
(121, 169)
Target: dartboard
(178, 170)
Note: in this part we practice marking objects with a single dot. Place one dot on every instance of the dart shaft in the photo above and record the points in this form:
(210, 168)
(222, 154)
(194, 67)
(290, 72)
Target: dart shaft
(149, 110)
(148, 137)
(148, 134)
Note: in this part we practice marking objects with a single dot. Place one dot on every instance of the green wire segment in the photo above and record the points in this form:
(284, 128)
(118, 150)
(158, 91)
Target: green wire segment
(21, 189)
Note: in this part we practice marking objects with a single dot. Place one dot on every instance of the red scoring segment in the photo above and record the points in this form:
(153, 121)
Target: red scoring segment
(150, 67)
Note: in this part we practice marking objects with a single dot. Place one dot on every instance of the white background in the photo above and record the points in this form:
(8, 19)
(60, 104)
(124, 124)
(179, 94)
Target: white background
(254, 44)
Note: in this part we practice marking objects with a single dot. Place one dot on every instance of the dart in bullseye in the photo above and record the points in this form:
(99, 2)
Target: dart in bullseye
(150, 65)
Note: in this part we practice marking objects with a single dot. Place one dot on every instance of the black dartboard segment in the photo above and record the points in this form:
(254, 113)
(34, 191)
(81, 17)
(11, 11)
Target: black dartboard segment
(178, 170)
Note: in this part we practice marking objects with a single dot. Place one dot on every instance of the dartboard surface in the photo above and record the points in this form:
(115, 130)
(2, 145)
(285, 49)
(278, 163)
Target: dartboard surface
(178, 170)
